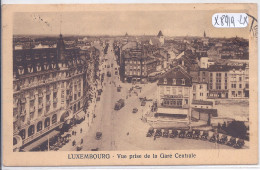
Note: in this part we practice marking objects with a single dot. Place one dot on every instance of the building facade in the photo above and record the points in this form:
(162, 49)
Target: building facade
(174, 94)
(48, 87)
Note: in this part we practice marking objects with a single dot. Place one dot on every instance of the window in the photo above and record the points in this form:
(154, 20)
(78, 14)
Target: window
(233, 93)
(39, 126)
(174, 81)
(240, 78)
(31, 130)
(203, 73)
(54, 119)
(165, 81)
(225, 74)
(173, 90)
(168, 90)
(201, 87)
(183, 81)
(239, 93)
(180, 91)
(240, 86)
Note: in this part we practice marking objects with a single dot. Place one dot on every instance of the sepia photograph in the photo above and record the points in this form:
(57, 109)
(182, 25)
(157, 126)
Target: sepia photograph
(94, 81)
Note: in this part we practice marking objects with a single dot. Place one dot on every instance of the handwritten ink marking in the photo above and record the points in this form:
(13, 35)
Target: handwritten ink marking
(230, 20)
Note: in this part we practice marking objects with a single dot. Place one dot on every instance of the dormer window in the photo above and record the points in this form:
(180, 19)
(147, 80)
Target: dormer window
(38, 67)
(46, 66)
(183, 81)
(173, 81)
(30, 69)
(165, 81)
(21, 70)
(53, 65)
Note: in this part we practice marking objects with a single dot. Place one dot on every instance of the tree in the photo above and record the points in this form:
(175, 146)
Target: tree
(237, 129)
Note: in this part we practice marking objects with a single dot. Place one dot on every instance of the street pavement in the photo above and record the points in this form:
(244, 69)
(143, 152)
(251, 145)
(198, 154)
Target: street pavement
(122, 129)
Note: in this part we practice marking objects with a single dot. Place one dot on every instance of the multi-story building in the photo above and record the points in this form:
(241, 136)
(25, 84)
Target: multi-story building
(47, 92)
(237, 82)
(137, 67)
(218, 81)
(174, 94)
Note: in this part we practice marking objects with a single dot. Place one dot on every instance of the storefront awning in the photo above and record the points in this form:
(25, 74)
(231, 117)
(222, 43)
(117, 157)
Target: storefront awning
(176, 111)
(41, 141)
(80, 115)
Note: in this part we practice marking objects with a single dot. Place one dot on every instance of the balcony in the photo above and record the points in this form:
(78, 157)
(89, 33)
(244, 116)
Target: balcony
(40, 94)
(55, 100)
(48, 103)
(32, 109)
(32, 97)
(23, 100)
(40, 106)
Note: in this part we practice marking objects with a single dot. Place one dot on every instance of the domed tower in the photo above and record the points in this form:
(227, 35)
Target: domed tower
(61, 49)
(161, 37)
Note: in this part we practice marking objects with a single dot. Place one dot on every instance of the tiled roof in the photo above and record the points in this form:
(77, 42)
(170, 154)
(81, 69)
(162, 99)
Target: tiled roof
(178, 74)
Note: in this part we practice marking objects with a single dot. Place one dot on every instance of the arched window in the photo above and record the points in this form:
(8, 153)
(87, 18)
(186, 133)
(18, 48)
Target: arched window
(54, 119)
(31, 130)
(47, 122)
(39, 126)
(14, 141)
(22, 134)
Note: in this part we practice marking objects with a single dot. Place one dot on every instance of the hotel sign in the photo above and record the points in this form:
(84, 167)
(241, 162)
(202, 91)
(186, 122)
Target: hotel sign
(173, 96)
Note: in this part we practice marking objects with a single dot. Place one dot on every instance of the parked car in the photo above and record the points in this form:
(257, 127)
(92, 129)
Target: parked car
(165, 133)
(135, 110)
(205, 135)
(98, 135)
(98, 98)
(231, 142)
(143, 103)
(240, 143)
(150, 132)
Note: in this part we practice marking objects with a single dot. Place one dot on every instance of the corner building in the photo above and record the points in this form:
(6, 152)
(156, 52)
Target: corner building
(47, 92)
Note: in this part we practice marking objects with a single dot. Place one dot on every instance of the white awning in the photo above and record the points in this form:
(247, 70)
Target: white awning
(173, 111)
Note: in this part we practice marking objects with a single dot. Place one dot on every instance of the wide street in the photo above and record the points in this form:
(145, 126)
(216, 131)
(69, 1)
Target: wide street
(122, 129)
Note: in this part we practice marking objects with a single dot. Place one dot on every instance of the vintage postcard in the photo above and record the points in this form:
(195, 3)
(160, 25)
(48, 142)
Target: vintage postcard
(132, 84)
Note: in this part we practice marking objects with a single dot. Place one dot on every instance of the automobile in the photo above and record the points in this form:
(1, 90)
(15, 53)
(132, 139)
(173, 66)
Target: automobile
(98, 98)
(189, 134)
(165, 134)
(214, 137)
(135, 110)
(150, 132)
(173, 133)
(196, 134)
(231, 142)
(79, 147)
(119, 104)
(99, 91)
(118, 89)
(98, 135)
(182, 134)
(205, 135)
(158, 133)
(222, 139)
(240, 143)
(143, 103)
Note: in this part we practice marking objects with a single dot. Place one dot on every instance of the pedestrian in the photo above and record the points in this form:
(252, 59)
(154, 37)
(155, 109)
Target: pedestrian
(81, 141)
(154, 138)
(80, 130)
(73, 143)
(75, 133)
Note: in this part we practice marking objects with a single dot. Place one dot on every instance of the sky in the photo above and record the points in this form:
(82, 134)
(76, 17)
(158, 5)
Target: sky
(171, 23)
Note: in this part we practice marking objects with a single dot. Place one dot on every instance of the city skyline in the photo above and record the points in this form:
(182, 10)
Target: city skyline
(72, 23)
